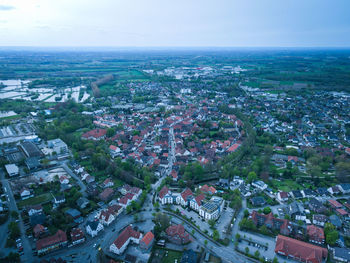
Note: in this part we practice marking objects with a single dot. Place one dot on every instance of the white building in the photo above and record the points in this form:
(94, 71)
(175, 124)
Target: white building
(58, 146)
(165, 196)
(209, 211)
(260, 185)
(93, 227)
(12, 169)
(128, 235)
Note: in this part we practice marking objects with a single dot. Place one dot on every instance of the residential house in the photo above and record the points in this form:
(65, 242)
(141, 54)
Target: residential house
(35, 209)
(39, 231)
(316, 206)
(59, 199)
(336, 221)
(77, 236)
(93, 228)
(299, 250)
(315, 234)
(185, 197)
(12, 169)
(165, 196)
(82, 202)
(107, 183)
(207, 189)
(281, 225)
(282, 196)
(259, 185)
(96, 134)
(75, 215)
(147, 242)
(335, 204)
(258, 201)
(341, 254)
(177, 234)
(196, 202)
(334, 190)
(107, 217)
(128, 235)
(319, 220)
(344, 188)
(106, 194)
(296, 194)
(50, 243)
(25, 193)
(209, 211)
(114, 151)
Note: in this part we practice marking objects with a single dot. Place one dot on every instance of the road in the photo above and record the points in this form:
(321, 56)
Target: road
(77, 178)
(27, 249)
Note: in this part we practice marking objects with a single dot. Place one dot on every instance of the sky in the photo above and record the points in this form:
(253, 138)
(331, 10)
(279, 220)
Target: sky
(175, 23)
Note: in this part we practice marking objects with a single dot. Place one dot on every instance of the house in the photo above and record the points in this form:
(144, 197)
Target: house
(335, 204)
(115, 209)
(295, 210)
(59, 199)
(258, 201)
(107, 183)
(50, 243)
(334, 190)
(281, 225)
(259, 185)
(25, 193)
(196, 202)
(165, 196)
(185, 197)
(82, 202)
(319, 220)
(282, 196)
(316, 206)
(308, 193)
(35, 209)
(39, 230)
(296, 194)
(299, 250)
(341, 254)
(177, 234)
(344, 188)
(12, 169)
(107, 217)
(75, 215)
(336, 221)
(207, 189)
(147, 242)
(77, 236)
(63, 179)
(95, 135)
(128, 235)
(315, 234)
(106, 194)
(114, 151)
(89, 179)
(93, 227)
(341, 212)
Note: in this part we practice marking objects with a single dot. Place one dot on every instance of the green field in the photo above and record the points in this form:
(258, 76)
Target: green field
(172, 256)
(35, 200)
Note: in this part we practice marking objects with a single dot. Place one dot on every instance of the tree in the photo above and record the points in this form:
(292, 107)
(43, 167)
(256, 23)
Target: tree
(264, 230)
(267, 210)
(332, 237)
(211, 223)
(110, 132)
(247, 250)
(251, 177)
(275, 260)
(216, 235)
(205, 242)
(257, 254)
(246, 213)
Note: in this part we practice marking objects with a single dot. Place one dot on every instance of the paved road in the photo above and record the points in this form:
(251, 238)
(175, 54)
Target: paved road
(77, 178)
(27, 249)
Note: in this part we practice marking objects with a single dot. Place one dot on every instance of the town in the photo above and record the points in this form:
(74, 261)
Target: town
(160, 165)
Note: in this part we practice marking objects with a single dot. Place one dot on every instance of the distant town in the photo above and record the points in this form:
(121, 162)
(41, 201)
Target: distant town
(174, 158)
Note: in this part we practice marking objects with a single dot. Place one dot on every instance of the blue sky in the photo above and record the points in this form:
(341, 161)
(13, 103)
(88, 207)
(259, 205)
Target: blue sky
(197, 23)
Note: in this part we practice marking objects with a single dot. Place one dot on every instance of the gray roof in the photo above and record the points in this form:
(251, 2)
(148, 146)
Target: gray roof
(343, 253)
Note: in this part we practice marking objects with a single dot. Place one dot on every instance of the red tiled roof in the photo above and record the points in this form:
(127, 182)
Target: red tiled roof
(299, 249)
(199, 199)
(57, 238)
(106, 193)
(186, 193)
(163, 192)
(38, 229)
(342, 212)
(96, 133)
(315, 232)
(127, 233)
(76, 234)
(147, 239)
(177, 230)
(335, 203)
(233, 147)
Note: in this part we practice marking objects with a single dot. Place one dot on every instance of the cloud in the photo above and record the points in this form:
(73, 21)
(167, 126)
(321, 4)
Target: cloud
(6, 7)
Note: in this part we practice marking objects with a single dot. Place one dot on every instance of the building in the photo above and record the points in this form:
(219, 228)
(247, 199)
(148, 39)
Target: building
(319, 220)
(299, 250)
(77, 236)
(341, 254)
(207, 189)
(35, 209)
(315, 234)
(344, 188)
(128, 235)
(75, 215)
(12, 169)
(259, 185)
(258, 201)
(106, 217)
(209, 211)
(106, 194)
(185, 197)
(39, 230)
(107, 183)
(30, 150)
(25, 193)
(281, 225)
(58, 146)
(93, 227)
(177, 234)
(196, 202)
(282, 196)
(59, 199)
(95, 135)
(335, 204)
(147, 241)
(50, 243)
(165, 196)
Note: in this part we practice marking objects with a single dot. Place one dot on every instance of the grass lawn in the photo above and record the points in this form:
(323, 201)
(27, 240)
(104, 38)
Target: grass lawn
(286, 185)
(35, 200)
(172, 255)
